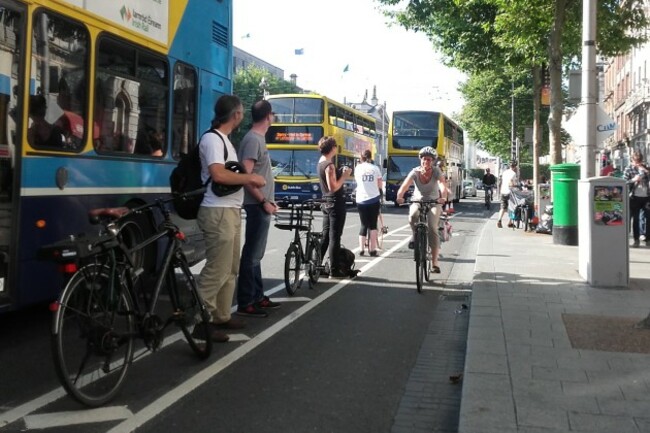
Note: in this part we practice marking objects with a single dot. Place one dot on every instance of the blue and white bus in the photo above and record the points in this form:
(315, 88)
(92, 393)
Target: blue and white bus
(97, 101)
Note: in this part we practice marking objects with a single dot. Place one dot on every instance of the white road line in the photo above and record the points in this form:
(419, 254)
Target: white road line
(168, 399)
(59, 419)
(172, 396)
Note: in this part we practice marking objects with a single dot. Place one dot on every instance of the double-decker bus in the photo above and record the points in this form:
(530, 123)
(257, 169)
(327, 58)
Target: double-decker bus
(301, 120)
(410, 131)
(97, 101)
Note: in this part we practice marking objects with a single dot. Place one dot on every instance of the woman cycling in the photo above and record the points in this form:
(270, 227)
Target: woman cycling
(430, 184)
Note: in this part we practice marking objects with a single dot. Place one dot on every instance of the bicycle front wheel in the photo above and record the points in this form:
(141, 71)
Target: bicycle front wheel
(420, 256)
(313, 255)
(524, 218)
(292, 269)
(92, 335)
(190, 314)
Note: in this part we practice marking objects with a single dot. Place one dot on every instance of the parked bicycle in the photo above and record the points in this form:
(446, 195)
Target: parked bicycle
(421, 247)
(105, 307)
(299, 217)
(520, 209)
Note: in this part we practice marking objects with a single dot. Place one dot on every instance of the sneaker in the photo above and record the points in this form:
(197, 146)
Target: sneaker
(362, 253)
(373, 253)
(411, 245)
(642, 237)
(499, 224)
(636, 243)
(511, 225)
(251, 311)
(267, 304)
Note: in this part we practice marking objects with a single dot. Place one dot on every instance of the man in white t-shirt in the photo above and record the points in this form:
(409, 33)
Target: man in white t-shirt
(220, 216)
(508, 180)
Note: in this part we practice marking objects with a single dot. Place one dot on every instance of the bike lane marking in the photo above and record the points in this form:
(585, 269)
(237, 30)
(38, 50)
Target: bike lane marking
(60, 419)
(174, 395)
(24, 410)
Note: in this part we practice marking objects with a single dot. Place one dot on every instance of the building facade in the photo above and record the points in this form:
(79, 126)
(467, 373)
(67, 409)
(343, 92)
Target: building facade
(378, 111)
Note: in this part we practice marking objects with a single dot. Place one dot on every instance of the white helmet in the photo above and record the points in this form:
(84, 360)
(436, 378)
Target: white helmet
(428, 151)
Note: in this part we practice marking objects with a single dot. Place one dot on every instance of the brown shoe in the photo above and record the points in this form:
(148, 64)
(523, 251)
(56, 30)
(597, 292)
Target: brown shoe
(233, 323)
(499, 224)
(215, 335)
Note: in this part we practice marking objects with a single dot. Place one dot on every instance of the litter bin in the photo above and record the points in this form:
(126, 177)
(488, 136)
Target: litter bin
(565, 203)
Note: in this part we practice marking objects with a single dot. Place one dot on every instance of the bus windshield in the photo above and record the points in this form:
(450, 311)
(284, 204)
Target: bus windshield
(400, 166)
(298, 110)
(415, 129)
(303, 163)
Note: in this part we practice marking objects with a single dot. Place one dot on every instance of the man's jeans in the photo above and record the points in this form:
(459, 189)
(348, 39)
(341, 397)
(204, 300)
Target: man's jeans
(250, 285)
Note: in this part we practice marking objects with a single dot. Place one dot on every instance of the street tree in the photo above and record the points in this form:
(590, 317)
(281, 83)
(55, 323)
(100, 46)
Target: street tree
(249, 85)
(482, 34)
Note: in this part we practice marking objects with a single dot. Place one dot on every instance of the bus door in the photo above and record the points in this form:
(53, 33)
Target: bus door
(12, 35)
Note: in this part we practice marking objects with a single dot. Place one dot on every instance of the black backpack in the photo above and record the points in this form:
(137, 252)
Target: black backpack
(185, 178)
(346, 262)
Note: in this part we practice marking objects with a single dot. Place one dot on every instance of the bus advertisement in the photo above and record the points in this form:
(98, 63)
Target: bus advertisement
(97, 102)
(301, 120)
(410, 131)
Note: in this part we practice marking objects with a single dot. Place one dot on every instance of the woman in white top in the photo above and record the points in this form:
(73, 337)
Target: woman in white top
(368, 178)
(430, 184)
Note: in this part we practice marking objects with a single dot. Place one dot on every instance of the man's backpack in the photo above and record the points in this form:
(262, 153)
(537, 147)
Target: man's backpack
(185, 178)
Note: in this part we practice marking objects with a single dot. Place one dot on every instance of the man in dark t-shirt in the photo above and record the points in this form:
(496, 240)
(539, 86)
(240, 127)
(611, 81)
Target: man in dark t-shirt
(489, 182)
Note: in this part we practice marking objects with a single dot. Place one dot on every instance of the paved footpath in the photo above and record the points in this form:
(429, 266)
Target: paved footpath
(522, 373)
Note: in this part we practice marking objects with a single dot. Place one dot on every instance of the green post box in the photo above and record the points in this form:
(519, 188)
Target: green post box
(565, 203)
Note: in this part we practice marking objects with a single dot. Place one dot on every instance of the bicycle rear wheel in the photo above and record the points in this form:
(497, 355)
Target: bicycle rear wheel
(292, 269)
(92, 335)
(313, 256)
(190, 314)
(420, 256)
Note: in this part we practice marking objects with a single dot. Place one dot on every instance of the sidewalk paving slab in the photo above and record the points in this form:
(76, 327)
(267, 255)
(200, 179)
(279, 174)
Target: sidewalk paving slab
(536, 361)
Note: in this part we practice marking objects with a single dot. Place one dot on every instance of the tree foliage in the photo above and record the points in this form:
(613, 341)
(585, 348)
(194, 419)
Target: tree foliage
(247, 87)
(511, 37)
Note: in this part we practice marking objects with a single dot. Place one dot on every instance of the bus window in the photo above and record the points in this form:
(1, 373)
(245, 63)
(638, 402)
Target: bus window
(131, 100)
(184, 110)
(57, 107)
(308, 110)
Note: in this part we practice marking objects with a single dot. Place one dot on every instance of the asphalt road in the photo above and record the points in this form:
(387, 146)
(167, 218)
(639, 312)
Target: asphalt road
(362, 355)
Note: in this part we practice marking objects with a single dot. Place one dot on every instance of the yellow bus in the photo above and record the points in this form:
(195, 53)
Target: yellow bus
(97, 101)
(408, 132)
(301, 120)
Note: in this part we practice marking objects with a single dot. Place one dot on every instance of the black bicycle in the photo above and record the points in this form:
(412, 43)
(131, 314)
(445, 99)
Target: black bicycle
(105, 305)
(299, 217)
(421, 247)
(488, 196)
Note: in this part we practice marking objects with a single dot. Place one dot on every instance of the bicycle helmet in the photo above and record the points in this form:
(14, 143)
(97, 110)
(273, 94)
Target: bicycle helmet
(221, 190)
(428, 151)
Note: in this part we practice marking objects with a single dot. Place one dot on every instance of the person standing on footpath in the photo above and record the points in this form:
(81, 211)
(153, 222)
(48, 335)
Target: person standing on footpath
(331, 183)
(220, 216)
(259, 207)
(368, 197)
(508, 181)
(637, 178)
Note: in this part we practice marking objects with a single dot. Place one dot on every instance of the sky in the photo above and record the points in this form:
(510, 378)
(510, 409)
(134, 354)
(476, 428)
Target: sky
(334, 34)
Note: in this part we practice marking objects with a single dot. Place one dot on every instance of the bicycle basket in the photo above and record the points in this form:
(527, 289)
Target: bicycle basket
(295, 216)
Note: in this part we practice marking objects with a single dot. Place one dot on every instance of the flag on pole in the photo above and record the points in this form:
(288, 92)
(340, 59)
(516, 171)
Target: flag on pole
(299, 51)
(347, 68)
(247, 35)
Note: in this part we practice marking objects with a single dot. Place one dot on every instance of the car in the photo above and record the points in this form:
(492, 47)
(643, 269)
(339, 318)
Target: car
(469, 189)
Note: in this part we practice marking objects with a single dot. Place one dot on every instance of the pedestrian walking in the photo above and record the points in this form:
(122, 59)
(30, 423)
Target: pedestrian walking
(368, 197)
(508, 181)
(637, 176)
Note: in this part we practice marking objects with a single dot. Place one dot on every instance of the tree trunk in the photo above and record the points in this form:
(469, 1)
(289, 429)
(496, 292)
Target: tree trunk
(555, 72)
